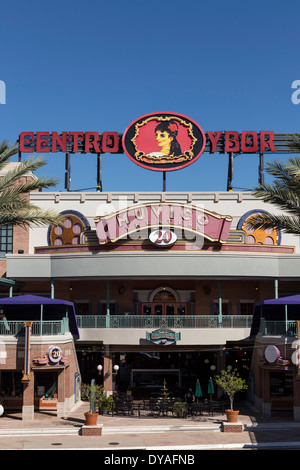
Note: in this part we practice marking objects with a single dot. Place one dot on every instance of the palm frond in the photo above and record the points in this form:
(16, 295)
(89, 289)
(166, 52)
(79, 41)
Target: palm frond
(24, 168)
(6, 152)
(15, 205)
(284, 223)
(295, 144)
(284, 193)
(31, 217)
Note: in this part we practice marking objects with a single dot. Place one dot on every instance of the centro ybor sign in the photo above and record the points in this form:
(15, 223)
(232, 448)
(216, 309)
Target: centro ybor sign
(125, 223)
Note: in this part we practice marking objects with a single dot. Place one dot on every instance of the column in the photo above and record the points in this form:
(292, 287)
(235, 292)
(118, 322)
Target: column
(220, 302)
(296, 410)
(107, 304)
(61, 393)
(28, 399)
(28, 378)
(107, 371)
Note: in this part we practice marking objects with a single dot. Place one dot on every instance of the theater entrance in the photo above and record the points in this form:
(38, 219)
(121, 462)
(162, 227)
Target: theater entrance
(144, 372)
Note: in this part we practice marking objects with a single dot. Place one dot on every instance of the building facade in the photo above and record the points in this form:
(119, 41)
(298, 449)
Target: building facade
(164, 286)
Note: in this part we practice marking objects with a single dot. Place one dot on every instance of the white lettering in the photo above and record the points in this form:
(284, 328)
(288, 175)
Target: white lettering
(174, 459)
(2, 92)
(295, 95)
(295, 355)
(114, 460)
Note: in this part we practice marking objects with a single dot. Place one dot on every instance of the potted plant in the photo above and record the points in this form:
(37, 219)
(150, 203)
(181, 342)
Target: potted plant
(105, 403)
(90, 392)
(231, 383)
(179, 408)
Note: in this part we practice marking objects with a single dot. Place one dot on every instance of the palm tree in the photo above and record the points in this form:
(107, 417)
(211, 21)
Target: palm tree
(15, 206)
(284, 193)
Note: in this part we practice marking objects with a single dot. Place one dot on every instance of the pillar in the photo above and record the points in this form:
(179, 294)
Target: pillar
(28, 399)
(107, 371)
(267, 406)
(296, 411)
(61, 393)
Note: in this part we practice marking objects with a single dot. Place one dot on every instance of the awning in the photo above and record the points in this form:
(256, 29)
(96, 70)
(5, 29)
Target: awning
(28, 308)
(275, 310)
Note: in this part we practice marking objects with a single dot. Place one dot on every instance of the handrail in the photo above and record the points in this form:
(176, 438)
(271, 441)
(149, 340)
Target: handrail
(278, 328)
(164, 321)
(17, 328)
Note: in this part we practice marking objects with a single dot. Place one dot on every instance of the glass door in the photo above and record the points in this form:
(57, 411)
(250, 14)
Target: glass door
(164, 308)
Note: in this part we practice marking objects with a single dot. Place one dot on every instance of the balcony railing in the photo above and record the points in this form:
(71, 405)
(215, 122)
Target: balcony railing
(164, 321)
(17, 328)
(278, 328)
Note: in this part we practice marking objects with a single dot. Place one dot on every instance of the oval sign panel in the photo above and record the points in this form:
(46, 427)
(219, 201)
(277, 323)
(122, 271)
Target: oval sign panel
(163, 237)
(163, 141)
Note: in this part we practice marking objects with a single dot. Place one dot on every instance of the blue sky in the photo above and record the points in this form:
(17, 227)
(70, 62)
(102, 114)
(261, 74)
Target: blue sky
(98, 65)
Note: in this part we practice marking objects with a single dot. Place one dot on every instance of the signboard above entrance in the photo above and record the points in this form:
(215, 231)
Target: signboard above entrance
(135, 219)
(161, 141)
(114, 142)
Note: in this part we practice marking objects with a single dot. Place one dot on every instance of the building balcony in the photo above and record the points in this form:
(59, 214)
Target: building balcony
(39, 328)
(164, 321)
(278, 328)
(190, 330)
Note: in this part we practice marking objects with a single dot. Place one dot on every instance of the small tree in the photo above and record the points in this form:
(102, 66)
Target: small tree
(230, 382)
(96, 395)
(90, 392)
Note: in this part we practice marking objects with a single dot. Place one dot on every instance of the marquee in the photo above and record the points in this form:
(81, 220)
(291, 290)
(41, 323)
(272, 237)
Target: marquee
(125, 223)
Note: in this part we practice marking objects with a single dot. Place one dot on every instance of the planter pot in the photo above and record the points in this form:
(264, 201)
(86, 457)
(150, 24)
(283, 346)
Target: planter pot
(232, 416)
(91, 418)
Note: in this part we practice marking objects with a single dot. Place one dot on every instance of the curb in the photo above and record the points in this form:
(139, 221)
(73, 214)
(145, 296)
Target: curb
(109, 430)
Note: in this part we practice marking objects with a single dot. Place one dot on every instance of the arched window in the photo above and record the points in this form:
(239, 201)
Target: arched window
(164, 296)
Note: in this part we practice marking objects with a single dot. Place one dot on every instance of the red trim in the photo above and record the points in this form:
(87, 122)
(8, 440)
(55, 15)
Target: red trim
(178, 247)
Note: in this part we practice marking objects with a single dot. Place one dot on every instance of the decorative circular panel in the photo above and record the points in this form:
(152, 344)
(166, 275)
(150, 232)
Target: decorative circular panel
(68, 233)
(269, 236)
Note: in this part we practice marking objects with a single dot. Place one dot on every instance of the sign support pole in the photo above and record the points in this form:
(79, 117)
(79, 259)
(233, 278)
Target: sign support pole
(230, 171)
(99, 172)
(164, 181)
(261, 179)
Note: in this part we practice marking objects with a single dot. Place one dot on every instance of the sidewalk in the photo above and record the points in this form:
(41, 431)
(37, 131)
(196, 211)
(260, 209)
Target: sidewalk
(160, 433)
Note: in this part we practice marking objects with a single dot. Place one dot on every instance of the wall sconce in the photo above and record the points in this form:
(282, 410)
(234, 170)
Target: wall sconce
(116, 370)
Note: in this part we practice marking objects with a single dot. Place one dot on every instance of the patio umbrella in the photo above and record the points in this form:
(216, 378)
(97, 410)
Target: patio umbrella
(198, 392)
(210, 390)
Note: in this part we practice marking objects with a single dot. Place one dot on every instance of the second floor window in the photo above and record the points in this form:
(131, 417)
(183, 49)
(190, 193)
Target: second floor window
(6, 240)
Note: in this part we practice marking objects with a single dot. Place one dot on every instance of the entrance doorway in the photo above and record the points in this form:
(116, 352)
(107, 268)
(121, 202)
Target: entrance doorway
(164, 301)
(164, 308)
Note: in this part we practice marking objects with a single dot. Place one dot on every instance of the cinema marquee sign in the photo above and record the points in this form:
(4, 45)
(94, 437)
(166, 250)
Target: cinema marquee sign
(157, 141)
(150, 216)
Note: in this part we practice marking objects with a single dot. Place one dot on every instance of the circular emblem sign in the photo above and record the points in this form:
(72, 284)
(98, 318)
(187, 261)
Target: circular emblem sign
(272, 353)
(163, 141)
(163, 237)
(54, 353)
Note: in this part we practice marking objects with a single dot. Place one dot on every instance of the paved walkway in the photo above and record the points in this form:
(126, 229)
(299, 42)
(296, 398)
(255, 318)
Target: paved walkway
(151, 434)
